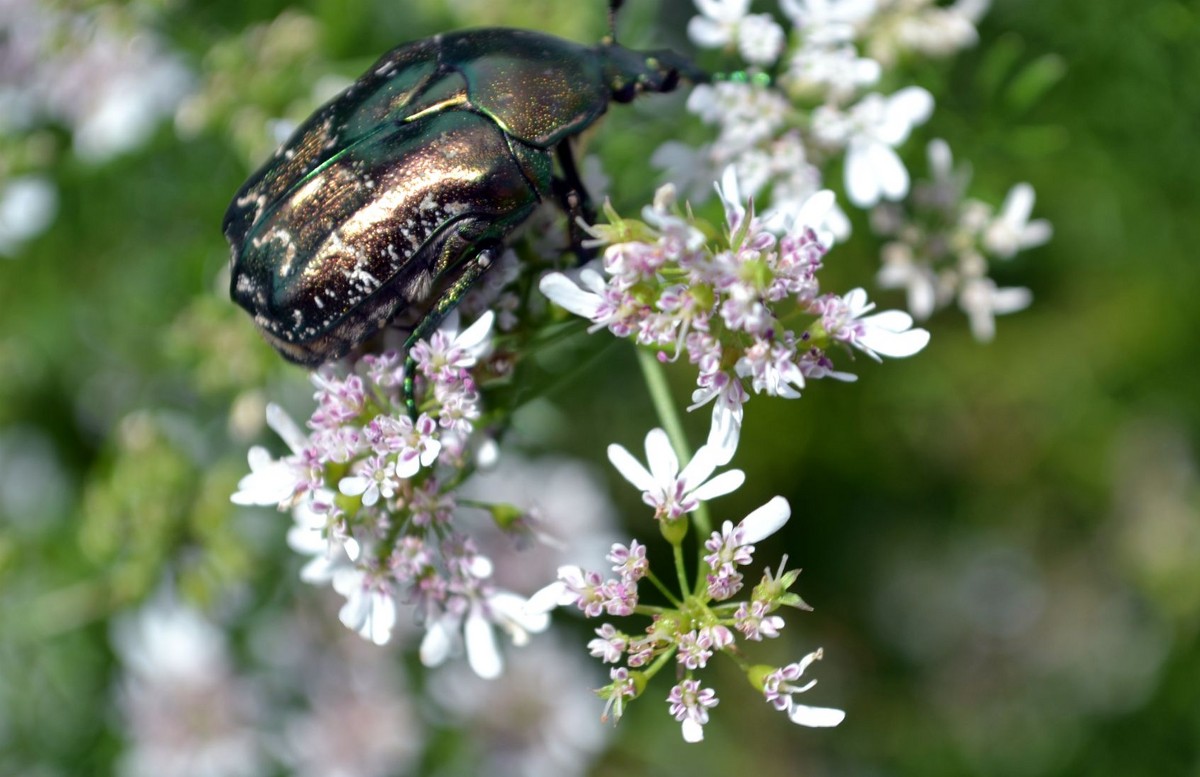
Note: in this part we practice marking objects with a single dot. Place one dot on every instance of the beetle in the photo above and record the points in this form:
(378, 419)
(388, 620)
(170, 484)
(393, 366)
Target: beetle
(399, 193)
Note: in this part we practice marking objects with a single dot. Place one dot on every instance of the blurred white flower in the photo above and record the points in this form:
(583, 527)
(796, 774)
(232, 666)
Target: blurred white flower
(870, 130)
(982, 301)
(554, 734)
(27, 206)
(186, 713)
(1011, 230)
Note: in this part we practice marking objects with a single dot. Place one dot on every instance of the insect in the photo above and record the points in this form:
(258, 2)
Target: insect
(399, 193)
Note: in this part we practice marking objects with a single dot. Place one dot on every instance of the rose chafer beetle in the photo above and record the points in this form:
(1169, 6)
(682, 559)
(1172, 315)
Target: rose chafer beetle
(399, 193)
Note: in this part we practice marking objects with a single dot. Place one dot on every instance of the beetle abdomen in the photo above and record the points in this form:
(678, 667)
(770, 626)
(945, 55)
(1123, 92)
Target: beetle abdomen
(357, 240)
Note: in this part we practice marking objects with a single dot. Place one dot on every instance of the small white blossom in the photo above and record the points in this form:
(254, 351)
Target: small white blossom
(1012, 231)
(889, 333)
(664, 487)
(982, 301)
(870, 130)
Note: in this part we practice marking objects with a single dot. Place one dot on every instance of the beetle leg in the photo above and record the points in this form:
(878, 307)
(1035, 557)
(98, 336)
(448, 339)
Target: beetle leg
(573, 197)
(471, 270)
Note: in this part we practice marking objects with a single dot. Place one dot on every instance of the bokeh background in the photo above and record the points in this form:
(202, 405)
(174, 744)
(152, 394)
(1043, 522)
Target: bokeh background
(1001, 542)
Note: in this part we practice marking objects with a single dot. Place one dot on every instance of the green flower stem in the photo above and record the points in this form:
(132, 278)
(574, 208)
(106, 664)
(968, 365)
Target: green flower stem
(680, 569)
(653, 578)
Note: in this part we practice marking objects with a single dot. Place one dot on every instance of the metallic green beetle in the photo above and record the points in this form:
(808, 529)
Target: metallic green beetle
(399, 192)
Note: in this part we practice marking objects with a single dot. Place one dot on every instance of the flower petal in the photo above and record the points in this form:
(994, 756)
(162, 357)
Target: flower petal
(815, 717)
(660, 456)
(720, 485)
(766, 520)
(630, 468)
(482, 653)
(560, 290)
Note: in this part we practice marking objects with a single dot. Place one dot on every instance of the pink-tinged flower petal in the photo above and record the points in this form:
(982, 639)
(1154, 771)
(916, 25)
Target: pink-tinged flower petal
(765, 521)
(630, 468)
(815, 717)
(721, 485)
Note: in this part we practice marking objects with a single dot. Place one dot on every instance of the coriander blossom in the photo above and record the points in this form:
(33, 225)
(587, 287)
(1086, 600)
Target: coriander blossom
(869, 131)
(1012, 231)
(699, 624)
(664, 487)
(690, 705)
(372, 494)
(779, 690)
(722, 303)
(942, 242)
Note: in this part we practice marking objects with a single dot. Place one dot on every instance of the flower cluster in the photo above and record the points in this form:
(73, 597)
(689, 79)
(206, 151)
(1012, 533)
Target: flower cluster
(723, 303)
(794, 109)
(372, 493)
(700, 621)
(941, 243)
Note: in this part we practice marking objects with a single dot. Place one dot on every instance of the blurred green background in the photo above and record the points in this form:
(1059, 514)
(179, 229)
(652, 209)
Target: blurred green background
(1001, 542)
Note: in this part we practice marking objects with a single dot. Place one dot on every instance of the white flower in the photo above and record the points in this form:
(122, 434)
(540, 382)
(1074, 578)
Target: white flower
(370, 609)
(779, 690)
(833, 68)
(270, 482)
(1012, 230)
(810, 15)
(901, 270)
(312, 535)
(982, 302)
(273, 482)
(583, 298)
(889, 333)
(760, 39)
(870, 130)
(511, 613)
(516, 615)
(671, 492)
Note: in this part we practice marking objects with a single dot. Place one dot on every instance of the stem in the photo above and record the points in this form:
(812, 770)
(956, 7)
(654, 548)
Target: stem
(669, 417)
(664, 406)
(680, 570)
(653, 578)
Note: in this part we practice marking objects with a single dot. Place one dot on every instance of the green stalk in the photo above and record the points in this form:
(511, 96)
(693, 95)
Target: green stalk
(672, 422)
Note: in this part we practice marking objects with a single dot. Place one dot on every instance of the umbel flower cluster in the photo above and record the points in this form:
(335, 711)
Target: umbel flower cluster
(372, 493)
(820, 89)
(666, 283)
(701, 620)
